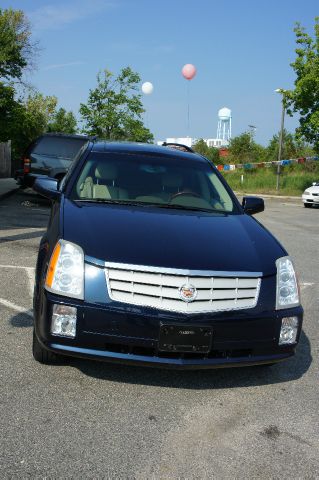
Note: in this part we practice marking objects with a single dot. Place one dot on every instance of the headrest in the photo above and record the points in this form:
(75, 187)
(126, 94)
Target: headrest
(107, 171)
(172, 180)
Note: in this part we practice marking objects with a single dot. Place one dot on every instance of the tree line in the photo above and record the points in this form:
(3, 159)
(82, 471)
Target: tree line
(244, 149)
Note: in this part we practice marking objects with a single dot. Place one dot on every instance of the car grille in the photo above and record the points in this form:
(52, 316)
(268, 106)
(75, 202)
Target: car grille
(160, 288)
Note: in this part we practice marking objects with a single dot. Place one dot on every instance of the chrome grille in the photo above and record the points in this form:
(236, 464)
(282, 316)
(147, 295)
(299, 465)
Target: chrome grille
(159, 288)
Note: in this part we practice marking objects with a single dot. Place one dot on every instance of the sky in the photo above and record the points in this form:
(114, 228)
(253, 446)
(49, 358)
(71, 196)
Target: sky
(242, 51)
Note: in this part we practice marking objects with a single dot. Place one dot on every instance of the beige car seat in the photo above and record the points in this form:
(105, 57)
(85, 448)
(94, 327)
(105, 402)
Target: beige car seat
(105, 187)
(86, 188)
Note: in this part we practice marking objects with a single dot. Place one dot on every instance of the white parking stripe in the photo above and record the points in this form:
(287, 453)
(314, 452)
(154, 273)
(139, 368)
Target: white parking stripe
(30, 273)
(16, 308)
(304, 285)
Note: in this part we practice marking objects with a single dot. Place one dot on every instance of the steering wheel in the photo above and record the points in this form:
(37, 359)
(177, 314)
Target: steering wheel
(184, 192)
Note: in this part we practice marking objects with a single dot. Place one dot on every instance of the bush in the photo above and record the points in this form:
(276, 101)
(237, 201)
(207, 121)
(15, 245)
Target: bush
(294, 179)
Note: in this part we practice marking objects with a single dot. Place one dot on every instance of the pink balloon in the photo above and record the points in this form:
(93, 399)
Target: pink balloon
(188, 71)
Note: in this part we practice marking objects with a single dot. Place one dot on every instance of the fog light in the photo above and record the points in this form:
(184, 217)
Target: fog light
(288, 331)
(63, 321)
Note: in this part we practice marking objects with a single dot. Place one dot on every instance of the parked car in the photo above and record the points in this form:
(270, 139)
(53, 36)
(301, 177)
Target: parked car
(310, 196)
(51, 155)
(150, 259)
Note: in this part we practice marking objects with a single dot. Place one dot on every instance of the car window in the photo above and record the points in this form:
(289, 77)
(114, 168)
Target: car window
(152, 179)
(60, 147)
(73, 165)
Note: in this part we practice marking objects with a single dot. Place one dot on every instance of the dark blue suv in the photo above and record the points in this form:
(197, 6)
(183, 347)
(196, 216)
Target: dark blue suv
(150, 259)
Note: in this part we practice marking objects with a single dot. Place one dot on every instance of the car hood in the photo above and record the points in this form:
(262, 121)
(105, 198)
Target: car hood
(313, 189)
(171, 238)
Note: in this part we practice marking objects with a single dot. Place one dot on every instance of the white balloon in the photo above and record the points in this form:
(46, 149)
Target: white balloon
(147, 88)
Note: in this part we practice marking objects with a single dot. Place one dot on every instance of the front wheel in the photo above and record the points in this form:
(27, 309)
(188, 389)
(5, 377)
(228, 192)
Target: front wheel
(307, 205)
(42, 355)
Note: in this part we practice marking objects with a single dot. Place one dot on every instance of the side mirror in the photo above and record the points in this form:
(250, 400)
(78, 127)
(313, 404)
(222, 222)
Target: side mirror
(314, 184)
(47, 187)
(253, 205)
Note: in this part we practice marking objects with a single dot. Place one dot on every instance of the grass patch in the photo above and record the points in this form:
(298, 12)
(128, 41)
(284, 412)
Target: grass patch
(294, 179)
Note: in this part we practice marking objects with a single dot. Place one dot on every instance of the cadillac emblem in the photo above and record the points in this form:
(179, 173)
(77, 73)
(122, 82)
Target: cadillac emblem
(187, 293)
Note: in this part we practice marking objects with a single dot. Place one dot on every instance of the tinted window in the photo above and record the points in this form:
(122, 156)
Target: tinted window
(59, 147)
(157, 180)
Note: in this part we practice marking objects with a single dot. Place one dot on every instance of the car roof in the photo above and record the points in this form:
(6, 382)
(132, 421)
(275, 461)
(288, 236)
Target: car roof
(144, 148)
(64, 135)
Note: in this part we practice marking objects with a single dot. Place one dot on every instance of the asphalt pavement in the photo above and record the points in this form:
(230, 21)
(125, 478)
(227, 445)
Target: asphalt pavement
(95, 420)
(7, 187)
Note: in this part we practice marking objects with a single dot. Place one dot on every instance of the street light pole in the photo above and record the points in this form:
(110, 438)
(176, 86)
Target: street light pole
(280, 90)
(252, 129)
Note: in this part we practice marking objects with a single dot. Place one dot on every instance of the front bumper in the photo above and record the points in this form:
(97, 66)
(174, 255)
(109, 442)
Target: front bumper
(311, 199)
(174, 363)
(126, 334)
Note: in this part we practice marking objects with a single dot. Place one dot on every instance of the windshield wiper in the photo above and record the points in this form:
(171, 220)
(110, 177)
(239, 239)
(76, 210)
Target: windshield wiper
(115, 202)
(147, 204)
(193, 209)
(98, 200)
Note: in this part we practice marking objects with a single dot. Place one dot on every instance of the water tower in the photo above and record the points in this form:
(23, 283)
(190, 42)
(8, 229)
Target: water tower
(224, 124)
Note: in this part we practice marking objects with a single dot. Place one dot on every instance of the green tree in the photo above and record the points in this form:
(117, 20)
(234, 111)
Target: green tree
(63, 121)
(16, 55)
(243, 149)
(292, 147)
(304, 99)
(29, 119)
(209, 152)
(16, 49)
(7, 106)
(114, 109)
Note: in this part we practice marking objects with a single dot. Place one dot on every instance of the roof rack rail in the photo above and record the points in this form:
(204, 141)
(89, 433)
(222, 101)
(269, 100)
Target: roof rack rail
(178, 146)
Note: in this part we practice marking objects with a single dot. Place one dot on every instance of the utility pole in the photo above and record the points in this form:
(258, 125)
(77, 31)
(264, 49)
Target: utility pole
(252, 130)
(283, 111)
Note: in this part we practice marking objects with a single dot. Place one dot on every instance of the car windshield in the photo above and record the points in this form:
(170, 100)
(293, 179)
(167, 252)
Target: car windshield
(157, 180)
(59, 147)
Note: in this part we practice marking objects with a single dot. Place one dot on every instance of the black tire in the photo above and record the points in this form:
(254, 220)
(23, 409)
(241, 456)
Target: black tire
(42, 355)
(307, 205)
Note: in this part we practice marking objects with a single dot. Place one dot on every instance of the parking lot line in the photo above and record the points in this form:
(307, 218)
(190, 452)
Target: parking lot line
(17, 267)
(304, 285)
(16, 308)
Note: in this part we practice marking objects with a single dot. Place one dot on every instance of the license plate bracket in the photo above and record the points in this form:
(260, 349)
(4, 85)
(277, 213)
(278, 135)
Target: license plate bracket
(188, 339)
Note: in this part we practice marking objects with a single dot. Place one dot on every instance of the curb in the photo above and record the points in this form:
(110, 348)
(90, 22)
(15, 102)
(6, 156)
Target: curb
(278, 197)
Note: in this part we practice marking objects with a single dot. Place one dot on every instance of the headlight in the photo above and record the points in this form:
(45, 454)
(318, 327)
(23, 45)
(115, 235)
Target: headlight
(287, 286)
(65, 275)
(306, 192)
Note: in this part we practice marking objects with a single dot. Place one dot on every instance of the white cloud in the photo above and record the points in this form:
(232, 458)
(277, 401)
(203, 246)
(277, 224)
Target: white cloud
(63, 65)
(55, 16)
